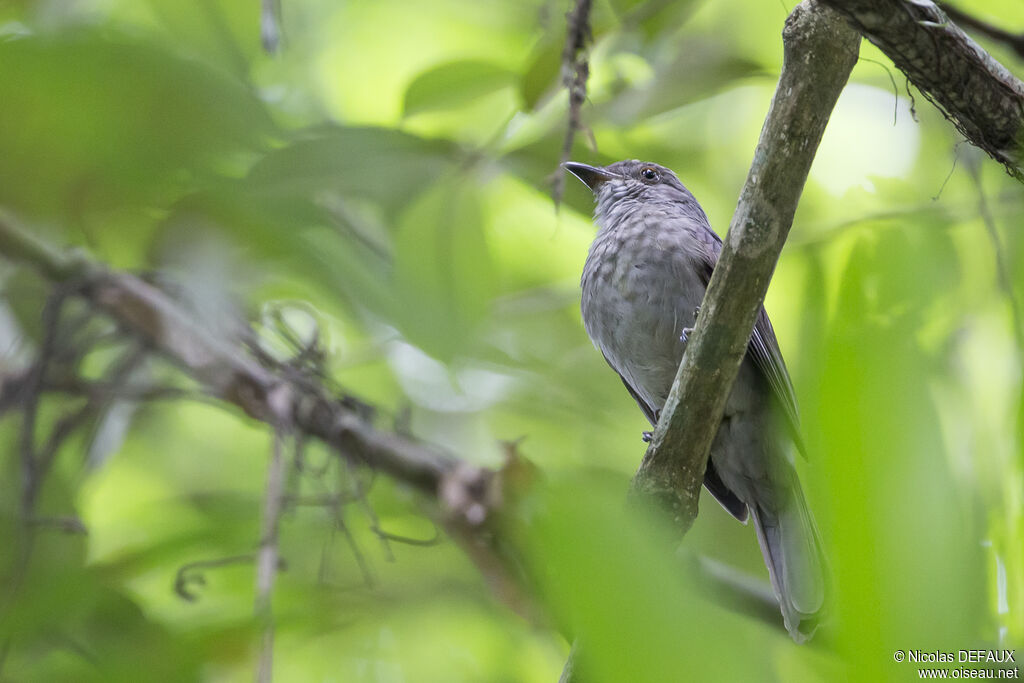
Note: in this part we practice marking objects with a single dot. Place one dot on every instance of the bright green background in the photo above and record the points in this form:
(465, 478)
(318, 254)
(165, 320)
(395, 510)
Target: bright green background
(390, 168)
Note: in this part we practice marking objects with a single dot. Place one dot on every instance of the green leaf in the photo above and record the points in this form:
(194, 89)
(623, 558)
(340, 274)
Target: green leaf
(380, 164)
(454, 84)
(654, 17)
(222, 32)
(541, 76)
(91, 122)
(294, 237)
(701, 69)
(444, 278)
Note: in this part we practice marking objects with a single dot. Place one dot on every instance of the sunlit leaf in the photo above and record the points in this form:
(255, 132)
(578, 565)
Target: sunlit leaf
(454, 84)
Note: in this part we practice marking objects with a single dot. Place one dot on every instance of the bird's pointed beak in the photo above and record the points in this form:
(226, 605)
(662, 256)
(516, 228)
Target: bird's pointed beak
(592, 176)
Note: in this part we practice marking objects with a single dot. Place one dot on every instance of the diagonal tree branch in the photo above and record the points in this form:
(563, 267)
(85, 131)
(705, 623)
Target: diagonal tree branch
(467, 497)
(819, 53)
(975, 92)
(1014, 41)
(230, 375)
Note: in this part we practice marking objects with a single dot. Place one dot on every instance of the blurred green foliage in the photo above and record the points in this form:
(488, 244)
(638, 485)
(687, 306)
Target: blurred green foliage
(390, 167)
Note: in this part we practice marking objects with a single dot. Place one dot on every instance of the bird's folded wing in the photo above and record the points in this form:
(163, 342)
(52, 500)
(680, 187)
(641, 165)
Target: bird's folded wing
(763, 349)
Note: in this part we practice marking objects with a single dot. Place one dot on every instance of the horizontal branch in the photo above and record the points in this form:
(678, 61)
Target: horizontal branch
(229, 374)
(819, 53)
(973, 90)
(468, 496)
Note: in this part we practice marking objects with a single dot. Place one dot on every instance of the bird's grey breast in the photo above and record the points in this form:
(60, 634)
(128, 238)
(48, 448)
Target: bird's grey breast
(641, 283)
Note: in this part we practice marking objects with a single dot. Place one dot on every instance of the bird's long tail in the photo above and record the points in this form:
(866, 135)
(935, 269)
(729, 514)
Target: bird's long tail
(796, 564)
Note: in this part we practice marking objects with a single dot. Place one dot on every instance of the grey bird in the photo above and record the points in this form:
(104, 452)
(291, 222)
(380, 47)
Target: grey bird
(643, 281)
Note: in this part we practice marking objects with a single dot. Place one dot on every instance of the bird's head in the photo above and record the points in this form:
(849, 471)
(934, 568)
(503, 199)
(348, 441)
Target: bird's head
(639, 181)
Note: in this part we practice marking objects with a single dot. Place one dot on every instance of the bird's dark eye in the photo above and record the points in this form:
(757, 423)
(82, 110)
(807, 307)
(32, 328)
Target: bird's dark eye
(649, 174)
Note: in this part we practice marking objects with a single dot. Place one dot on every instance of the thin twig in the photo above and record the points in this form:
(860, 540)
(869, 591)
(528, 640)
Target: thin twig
(575, 71)
(142, 393)
(267, 556)
(422, 542)
(66, 425)
(68, 524)
(328, 500)
(913, 100)
(29, 400)
(340, 526)
(191, 574)
(359, 492)
(895, 88)
(952, 169)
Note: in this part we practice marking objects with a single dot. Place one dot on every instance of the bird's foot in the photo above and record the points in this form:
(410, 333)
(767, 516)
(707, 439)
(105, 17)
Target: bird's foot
(687, 331)
(647, 436)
